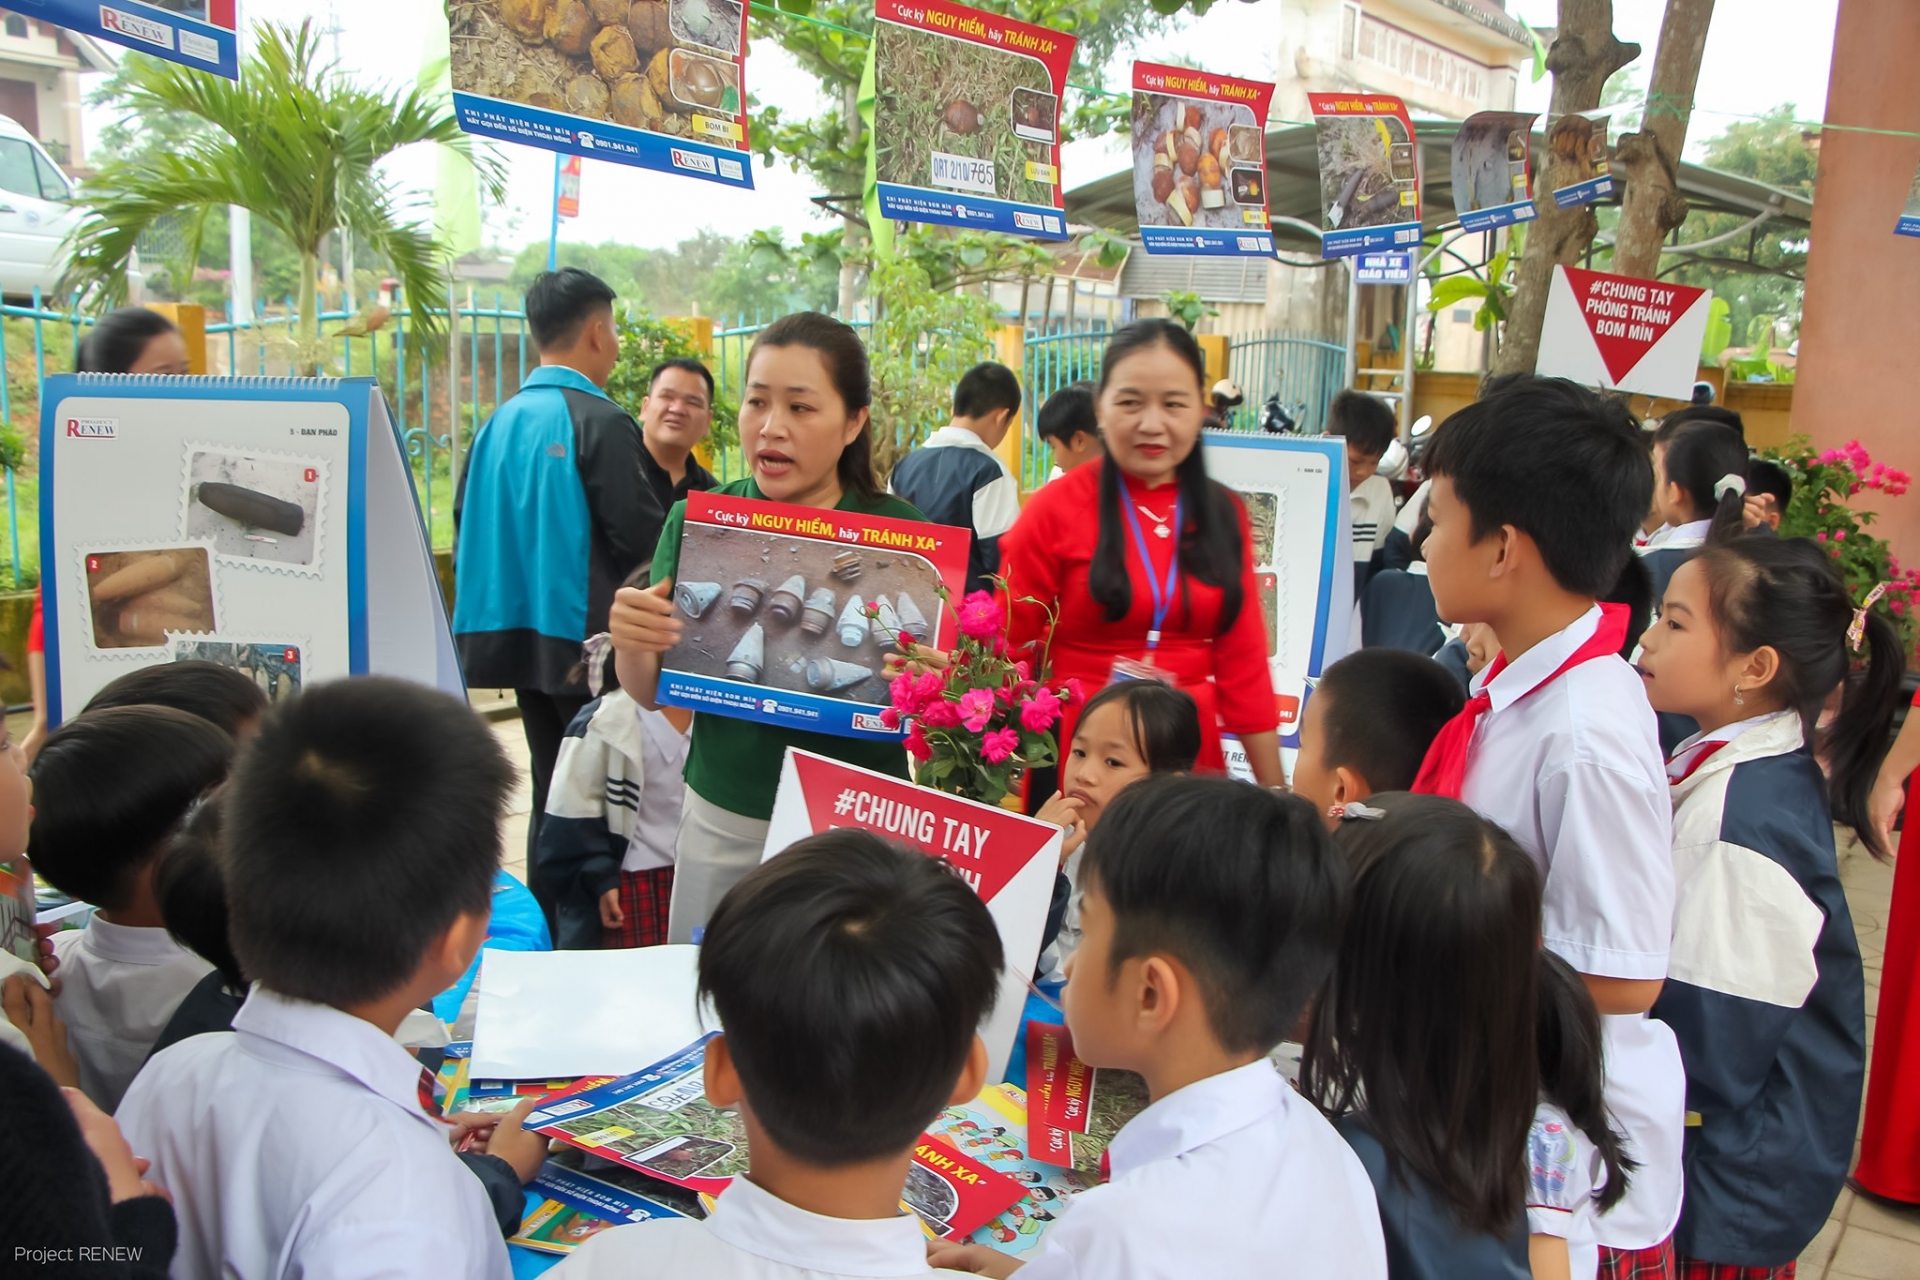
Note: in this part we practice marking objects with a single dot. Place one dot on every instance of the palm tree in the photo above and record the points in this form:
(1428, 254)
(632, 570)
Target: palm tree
(293, 142)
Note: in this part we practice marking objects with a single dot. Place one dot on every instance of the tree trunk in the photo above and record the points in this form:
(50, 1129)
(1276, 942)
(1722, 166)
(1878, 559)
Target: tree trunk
(1650, 160)
(849, 272)
(1583, 56)
(306, 347)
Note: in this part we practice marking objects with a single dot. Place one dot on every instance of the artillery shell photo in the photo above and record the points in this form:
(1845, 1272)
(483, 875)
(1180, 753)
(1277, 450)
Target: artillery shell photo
(138, 597)
(260, 509)
(277, 667)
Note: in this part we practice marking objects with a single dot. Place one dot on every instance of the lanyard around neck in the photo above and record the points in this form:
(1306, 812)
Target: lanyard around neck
(1162, 597)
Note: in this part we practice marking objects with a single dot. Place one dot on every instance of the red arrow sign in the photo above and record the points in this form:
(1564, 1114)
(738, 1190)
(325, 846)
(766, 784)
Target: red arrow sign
(1627, 315)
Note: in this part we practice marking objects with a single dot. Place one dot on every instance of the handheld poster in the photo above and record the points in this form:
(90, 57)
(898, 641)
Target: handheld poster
(1623, 333)
(1369, 172)
(1492, 170)
(1200, 162)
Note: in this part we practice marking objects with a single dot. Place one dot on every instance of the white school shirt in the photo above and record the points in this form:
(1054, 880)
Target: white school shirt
(296, 1148)
(1564, 1170)
(1371, 502)
(1282, 1189)
(1574, 773)
(119, 984)
(752, 1234)
(663, 787)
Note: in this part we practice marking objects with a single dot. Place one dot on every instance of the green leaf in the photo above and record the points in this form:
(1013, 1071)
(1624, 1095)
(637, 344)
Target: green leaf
(1455, 289)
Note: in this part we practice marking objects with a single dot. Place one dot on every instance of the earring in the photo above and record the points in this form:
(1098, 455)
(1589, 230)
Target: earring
(1336, 811)
(1738, 701)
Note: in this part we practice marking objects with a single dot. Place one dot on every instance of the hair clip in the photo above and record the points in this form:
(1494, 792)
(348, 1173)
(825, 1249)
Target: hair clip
(596, 651)
(1353, 811)
(1857, 629)
(1727, 483)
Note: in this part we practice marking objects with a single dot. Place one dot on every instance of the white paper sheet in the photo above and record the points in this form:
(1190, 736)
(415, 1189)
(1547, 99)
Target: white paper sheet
(555, 1015)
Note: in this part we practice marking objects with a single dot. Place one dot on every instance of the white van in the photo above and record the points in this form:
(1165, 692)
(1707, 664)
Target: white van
(37, 213)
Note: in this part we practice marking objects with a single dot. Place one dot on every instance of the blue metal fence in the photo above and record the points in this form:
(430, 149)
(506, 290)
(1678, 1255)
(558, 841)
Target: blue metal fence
(1304, 371)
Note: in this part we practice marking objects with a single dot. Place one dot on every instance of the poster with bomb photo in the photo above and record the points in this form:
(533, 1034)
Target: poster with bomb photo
(775, 600)
(657, 84)
(966, 118)
(1369, 173)
(1200, 162)
(1579, 142)
(1493, 170)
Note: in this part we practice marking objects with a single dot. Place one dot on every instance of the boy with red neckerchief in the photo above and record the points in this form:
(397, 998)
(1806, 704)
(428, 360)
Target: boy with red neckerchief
(1537, 490)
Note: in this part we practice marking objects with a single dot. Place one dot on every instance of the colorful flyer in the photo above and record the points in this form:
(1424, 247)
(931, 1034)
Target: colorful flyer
(993, 1128)
(966, 118)
(1493, 170)
(776, 604)
(1200, 162)
(17, 910)
(1076, 1109)
(1008, 858)
(1369, 173)
(193, 33)
(658, 84)
(1623, 333)
(573, 1208)
(1909, 224)
(1580, 142)
(659, 1122)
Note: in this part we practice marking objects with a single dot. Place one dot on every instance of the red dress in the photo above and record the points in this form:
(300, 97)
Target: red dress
(1047, 555)
(1890, 1137)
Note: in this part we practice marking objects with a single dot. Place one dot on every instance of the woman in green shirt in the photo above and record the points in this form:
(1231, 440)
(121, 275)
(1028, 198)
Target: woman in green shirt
(805, 431)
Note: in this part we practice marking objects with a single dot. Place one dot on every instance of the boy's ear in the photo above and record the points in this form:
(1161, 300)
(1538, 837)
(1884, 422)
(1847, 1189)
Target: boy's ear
(1161, 989)
(1349, 785)
(973, 1074)
(1507, 541)
(455, 949)
(721, 1079)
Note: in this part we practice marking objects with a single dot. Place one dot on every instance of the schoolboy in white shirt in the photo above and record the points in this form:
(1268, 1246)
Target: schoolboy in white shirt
(109, 787)
(362, 838)
(1537, 489)
(851, 976)
(1212, 912)
(1368, 425)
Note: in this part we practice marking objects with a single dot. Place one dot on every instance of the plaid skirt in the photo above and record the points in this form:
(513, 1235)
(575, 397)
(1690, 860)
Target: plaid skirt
(644, 898)
(1656, 1263)
(1695, 1269)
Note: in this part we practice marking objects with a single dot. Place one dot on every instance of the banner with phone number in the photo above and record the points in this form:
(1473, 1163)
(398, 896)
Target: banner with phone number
(194, 33)
(1200, 162)
(1369, 173)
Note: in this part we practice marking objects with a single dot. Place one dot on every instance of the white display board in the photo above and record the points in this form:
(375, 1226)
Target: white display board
(1621, 333)
(268, 524)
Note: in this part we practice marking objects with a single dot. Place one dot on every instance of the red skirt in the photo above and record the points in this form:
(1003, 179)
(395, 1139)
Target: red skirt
(1890, 1138)
(1655, 1263)
(644, 897)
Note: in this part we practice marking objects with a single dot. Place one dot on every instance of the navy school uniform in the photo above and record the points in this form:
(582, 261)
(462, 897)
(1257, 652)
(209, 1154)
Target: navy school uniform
(1397, 612)
(1424, 1242)
(1765, 994)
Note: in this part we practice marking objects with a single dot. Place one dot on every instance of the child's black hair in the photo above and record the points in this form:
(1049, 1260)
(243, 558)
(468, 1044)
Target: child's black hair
(1164, 722)
(119, 338)
(1240, 884)
(1367, 422)
(986, 388)
(1572, 1073)
(1634, 589)
(1383, 709)
(1066, 413)
(852, 976)
(1784, 593)
(1685, 414)
(1429, 1024)
(1560, 463)
(559, 302)
(362, 823)
(1764, 475)
(1709, 463)
(109, 786)
(191, 889)
(205, 689)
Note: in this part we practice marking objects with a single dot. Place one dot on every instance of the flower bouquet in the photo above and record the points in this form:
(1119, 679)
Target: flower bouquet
(975, 725)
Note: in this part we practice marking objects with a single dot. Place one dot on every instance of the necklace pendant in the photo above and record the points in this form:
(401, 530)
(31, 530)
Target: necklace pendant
(1162, 531)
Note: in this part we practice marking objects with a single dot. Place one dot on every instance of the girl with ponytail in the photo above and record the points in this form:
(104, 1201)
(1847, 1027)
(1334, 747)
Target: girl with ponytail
(1764, 989)
(1700, 489)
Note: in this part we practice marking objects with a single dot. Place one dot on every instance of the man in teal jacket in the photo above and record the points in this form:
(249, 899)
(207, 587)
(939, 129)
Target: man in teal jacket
(554, 511)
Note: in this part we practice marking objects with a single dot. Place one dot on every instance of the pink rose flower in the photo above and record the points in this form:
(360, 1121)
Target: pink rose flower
(903, 692)
(917, 745)
(940, 714)
(930, 686)
(1076, 692)
(999, 745)
(890, 717)
(980, 617)
(1040, 712)
(976, 708)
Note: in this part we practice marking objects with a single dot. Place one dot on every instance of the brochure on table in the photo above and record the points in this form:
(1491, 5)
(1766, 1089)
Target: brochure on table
(229, 520)
(966, 118)
(194, 33)
(994, 1129)
(1623, 333)
(1492, 172)
(1579, 142)
(1008, 858)
(572, 1207)
(1200, 162)
(1369, 173)
(775, 600)
(1295, 491)
(664, 88)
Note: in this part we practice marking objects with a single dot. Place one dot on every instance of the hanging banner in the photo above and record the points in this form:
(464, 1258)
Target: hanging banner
(1200, 162)
(1581, 142)
(1622, 333)
(664, 89)
(1492, 174)
(193, 33)
(567, 202)
(1369, 173)
(1909, 224)
(966, 119)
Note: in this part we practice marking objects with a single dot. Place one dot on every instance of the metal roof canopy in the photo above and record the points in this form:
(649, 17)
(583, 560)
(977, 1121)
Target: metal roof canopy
(1293, 188)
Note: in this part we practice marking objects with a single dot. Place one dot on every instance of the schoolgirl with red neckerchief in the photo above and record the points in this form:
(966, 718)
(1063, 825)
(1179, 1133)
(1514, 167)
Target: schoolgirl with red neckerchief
(1764, 985)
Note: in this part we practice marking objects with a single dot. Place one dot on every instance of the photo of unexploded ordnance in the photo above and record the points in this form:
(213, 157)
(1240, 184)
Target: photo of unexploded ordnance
(1185, 153)
(1368, 176)
(704, 84)
(798, 614)
(1489, 162)
(713, 24)
(262, 508)
(136, 598)
(277, 668)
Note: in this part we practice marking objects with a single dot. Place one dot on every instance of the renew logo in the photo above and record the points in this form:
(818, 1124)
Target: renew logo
(92, 428)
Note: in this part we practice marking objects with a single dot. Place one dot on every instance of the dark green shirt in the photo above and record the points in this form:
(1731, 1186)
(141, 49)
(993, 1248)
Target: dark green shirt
(735, 763)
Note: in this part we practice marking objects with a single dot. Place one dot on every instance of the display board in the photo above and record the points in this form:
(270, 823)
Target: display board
(1623, 333)
(1200, 162)
(966, 118)
(1580, 141)
(193, 33)
(663, 86)
(1369, 173)
(1493, 170)
(1009, 859)
(230, 519)
(1295, 491)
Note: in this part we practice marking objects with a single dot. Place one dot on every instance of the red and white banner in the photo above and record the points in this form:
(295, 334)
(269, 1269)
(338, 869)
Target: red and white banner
(1623, 333)
(1008, 858)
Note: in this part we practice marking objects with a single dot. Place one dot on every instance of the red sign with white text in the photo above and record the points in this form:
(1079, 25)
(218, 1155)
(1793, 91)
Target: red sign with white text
(1623, 333)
